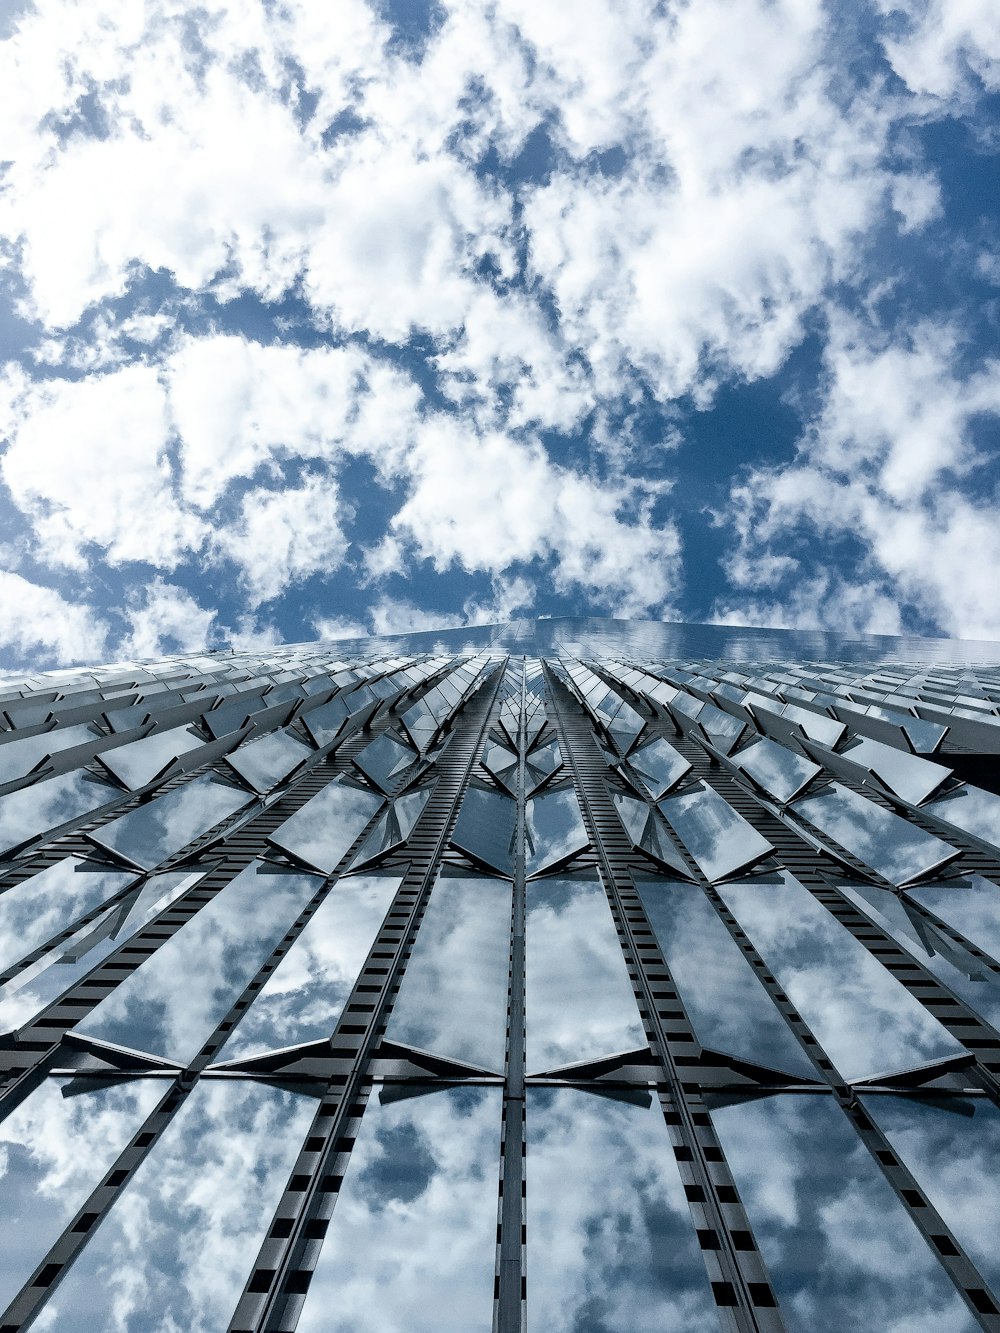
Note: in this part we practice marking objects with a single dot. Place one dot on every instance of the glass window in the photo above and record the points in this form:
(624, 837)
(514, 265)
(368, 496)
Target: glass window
(609, 1234)
(502, 763)
(138, 763)
(659, 766)
(866, 1021)
(485, 828)
(778, 771)
(412, 1243)
(453, 997)
(305, 995)
(643, 826)
(970, 906)
(152, 832)
(840, 1247)
(55, 1151)
(554, 830)
(893, 848)
(321, 833)
(542, 762)
(18, 757)
(32, 811)
(265, 761)
(177, 1248)
(172, 1003)
(729, 1008)
(971, 810)
(579, 1000)
(395, 826)
(953, 1155)
(324, 723)
(721, 841)
(817, 726)
(910, 777)
(384, 760)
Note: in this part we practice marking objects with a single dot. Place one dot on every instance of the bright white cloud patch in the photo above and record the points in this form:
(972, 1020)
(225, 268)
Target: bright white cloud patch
(348, 323)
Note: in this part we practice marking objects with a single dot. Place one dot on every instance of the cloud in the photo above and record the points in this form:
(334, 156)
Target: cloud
(166, 619)
(945, 49)
(40, 623)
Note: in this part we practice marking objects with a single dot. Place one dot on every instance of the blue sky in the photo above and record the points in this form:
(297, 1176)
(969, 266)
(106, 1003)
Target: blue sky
(318, 322)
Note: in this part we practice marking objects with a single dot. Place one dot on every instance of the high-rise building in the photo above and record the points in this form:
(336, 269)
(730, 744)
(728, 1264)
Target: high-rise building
(569, 975)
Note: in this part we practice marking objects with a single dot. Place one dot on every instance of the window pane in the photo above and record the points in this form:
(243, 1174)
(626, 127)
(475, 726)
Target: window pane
(323, 830)
(140, 762)
(720, 840)
(780, 772)
(45, 904)
(485, 828)
(554, 830)
(152, 832)
(34, 810)
(660, 767)
(266, 761)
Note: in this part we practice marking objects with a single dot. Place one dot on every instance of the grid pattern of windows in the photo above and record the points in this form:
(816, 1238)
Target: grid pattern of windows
(464, 989)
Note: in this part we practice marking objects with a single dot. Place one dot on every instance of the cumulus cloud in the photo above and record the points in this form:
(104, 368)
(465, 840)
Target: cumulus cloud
(40, 623)
(166, 619)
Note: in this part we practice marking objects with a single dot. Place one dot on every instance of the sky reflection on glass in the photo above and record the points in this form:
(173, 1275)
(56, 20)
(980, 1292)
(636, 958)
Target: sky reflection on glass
(35, 988)
(643, 825)
(840, 1247)
(909, 776)
(728, 1006)
(501, 762)
(396, 824)
(953, 1154)
(970, 905)
(141, 761)
(867, 1023)
(898, 851)
(780, 772)
(412, 1242)
(152, 832)
(172, 1003)
(384, 759)
(485, 828)
(265, 761)
(305, 995)
(579, 998)
(178, 1246)
(53, 1152)
(326, 826)
(972, 810)
(553, 829)
(611, 1244)
(660, 767)
(34, 810)
(720, 841)
(541, 763)
(453, 997)
(44, 904)
(18, 757)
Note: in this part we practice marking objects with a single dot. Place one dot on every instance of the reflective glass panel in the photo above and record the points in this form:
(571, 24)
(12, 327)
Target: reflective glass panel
(780, 772)
(45, 904)
(643, 826)
(324, 722)
(19, 756)
(553, 828)
(579, 1000)
(305, 995)
(267, 760)
(34, 810)
(54, 1150)
(175, 1251)
(721, 841)
(867, 1022)
(172, 1003)
(840, 1247)
(898, 851)
(953, 1153)
(909, 776)
(412, 1242)
(542, 762)
(611, 1245)
(972, 810)
(32, 990)
(729, 1008)
(395, 826)
(324, 829)
(152, 832)
(970, 905)
(660, 767)
(384, 759)
(815, 725)
(501, 762)
(139, 762)
(485, 828)
(453, 997)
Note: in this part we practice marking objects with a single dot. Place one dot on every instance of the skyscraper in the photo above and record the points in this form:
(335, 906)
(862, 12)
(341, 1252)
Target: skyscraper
(566, 975)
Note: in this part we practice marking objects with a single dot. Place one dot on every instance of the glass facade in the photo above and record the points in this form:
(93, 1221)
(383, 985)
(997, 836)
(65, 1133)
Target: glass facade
(572, 976)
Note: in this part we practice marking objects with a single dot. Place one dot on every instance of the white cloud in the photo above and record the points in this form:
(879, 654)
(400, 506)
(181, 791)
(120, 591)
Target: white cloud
(166, 619)
(338, 627)
(41, 622)
(946, 46)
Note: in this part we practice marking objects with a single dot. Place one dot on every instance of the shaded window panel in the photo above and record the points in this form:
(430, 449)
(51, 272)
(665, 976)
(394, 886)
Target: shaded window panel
(172, 1003)
(325, 722)
(641, 823)
(841, 1250)
(958, 969)
(542, 762)
(970, 905)
(972, 811)
(321, 833)
(384, 760)
(178, 1247)
(865, 1020)
(31, 991)
(265, 761)
(953, 1154)
(610, 1239)
(730, 1009)
(19, 757)
(152, 832)
(412, 1242)
(453, 997)
(780, 772)
(659, 766)
(485, 828)
(56, 1149)
(898, 851)
(625, 727)
(138, 763)
(231, 716)
(32, 811)
(420, 723)
(910, 777)
(554, 830)
(721, 841)
(305, 995)
(580, 1002)
(815, 725)
(395, 826)
(45, 904)
(502, 763)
